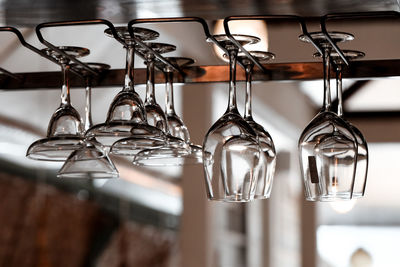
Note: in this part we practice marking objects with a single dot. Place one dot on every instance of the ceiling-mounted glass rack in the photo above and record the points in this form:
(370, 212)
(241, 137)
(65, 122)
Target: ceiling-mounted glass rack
(199, 73)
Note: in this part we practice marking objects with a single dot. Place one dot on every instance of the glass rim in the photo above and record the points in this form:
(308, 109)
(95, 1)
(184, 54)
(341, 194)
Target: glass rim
(87, 175)
(44, 145)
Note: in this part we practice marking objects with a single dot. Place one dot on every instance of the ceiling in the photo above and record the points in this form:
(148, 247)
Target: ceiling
(26, 12)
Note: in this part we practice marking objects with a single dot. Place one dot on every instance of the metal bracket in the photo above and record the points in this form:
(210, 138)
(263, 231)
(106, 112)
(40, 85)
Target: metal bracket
(27, 45)
(75, 23)
(352, 15)
(203, 23)
(265, 17)
(10, 74)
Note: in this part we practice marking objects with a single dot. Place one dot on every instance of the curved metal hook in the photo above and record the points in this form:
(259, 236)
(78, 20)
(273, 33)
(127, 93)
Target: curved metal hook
(75, 23)
(265, 17)
(167, 20)
(352, 15)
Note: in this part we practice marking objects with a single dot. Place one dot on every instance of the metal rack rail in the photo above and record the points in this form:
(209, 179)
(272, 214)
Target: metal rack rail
(367, 69)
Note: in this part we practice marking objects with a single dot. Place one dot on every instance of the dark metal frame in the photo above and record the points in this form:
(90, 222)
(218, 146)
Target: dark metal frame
(201, 21)
(352, 15)
(75, 23)
(265, 18)
(27, 45)
(276, 71)
(10, 74)
(117, 37)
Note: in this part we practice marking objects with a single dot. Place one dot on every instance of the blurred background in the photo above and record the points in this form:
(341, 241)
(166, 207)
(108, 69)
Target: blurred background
(160, 216)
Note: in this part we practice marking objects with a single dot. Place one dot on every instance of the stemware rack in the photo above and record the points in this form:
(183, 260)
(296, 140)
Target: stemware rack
(199, 74)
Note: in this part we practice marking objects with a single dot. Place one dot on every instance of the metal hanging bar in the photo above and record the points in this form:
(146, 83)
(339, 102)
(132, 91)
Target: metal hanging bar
(75, 23)
(352, 15)
(9, 74)
(265, 17)
(202, 22)
(107, 23)
(31, 47)
(198, 74)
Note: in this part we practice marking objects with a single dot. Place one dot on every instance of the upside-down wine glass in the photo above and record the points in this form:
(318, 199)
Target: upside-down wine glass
(65, 129)
(268, 158)
(360, 181)
(156, 118)
(126, 115)
(231, 148)
(182, 153)
(91, 160)
(327, 146)
(155, 114)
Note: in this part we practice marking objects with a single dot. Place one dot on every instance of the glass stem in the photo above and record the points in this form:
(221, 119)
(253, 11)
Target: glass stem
(65, 98)
(232, 80)
(150, 90)
(327, 86)
(248, 112)
(169, 93)
(88, 104)
(129, 68)
(339, 90)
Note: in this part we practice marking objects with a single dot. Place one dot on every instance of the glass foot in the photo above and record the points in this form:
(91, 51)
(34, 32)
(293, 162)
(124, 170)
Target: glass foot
(261, 56)
(224, 40)
(176, 61)
(349, 54)
(99, 67)
(320, 38)
(74, 51)
(141, 33)
(157, 47)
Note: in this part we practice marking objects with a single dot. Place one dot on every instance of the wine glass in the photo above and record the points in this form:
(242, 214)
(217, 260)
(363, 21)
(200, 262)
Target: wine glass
(172, 153)
(176, 126)
(91, 160)
(126, 115)
(231, 148)
(65, 130)
(156, 118)
(328, 147)
(154, 113)
(362, 152)
(268, 158)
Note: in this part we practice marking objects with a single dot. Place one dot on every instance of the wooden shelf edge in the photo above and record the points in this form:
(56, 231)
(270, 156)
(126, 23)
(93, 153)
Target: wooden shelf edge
(367, 69)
